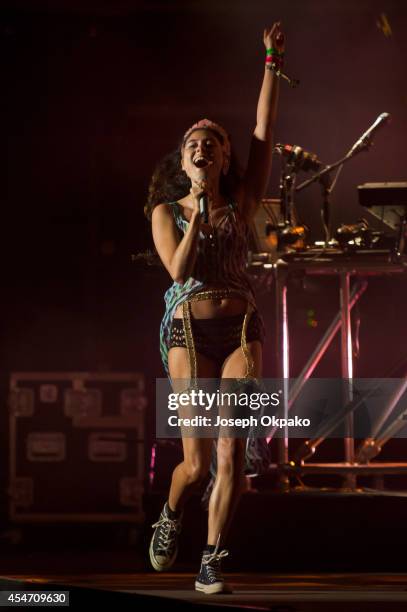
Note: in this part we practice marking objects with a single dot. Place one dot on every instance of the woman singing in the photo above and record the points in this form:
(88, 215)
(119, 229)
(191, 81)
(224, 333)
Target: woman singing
(211, 327)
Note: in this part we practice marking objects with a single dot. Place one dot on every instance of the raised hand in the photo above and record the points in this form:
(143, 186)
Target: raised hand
(274, 37)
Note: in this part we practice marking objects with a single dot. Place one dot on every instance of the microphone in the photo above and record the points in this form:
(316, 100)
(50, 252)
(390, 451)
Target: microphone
(202, 163)
(366, 137)
(304, 160)
(204, 207)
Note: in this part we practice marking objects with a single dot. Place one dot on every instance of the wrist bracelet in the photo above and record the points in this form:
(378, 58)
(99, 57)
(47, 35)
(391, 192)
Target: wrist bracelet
(276, 67)
(274, 61)
(273, 51)
(273, 68)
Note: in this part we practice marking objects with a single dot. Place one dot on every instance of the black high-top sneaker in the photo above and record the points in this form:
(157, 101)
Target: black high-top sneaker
(209, 579)
(164, 543)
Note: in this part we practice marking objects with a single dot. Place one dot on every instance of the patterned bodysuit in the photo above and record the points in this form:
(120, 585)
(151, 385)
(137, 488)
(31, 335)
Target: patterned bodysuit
(221, 262)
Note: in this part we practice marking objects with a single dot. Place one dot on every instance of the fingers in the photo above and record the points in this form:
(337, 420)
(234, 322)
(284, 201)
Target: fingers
(268, 32)
(199, 185)
(199, 188)
(276, 25)
(273, 31)
(274, 35)
(280, 39)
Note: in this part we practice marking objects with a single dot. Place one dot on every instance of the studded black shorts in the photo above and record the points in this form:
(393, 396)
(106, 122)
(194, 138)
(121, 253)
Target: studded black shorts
(217, 338)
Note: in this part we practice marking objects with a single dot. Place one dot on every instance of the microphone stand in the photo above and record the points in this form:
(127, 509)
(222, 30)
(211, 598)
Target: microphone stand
(287, 187)
(327, 186)
(326, 189)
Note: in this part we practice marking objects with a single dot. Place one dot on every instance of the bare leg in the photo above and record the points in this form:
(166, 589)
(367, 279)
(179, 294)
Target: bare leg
(227, 489)
(190, 473)
(229, 482)
(187, 475)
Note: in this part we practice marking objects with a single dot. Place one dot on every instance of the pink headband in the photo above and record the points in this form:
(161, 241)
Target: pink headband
(207, 124)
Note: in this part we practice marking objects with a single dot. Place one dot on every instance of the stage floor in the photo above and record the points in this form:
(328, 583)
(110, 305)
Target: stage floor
(285, 592)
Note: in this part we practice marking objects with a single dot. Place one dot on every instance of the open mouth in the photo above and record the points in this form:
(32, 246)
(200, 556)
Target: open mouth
(202, 162)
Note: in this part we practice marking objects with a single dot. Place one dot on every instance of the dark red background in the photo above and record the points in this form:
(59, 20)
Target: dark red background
(94, 93)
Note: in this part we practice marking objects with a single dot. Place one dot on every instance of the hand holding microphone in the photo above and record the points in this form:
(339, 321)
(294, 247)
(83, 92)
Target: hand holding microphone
(200, 191)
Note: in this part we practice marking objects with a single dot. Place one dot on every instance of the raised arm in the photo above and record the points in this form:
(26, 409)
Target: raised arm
(258, 170)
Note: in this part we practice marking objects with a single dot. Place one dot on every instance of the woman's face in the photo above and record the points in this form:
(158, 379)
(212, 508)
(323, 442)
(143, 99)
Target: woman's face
(202, 156)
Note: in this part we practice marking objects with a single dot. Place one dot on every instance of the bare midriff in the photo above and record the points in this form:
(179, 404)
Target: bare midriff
(215, 308)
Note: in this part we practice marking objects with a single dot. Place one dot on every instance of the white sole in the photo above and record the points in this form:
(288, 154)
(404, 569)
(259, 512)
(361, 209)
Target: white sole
(212, 589)
(157, 566)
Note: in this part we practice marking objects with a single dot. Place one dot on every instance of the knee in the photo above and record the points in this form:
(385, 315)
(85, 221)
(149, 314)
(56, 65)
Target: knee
(196, 472)
(231, 456)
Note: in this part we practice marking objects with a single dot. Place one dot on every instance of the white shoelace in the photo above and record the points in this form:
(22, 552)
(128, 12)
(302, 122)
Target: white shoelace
(212, 562)
(168, 527)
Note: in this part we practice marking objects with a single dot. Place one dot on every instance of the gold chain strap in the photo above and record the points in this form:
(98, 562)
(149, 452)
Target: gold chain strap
(246, 352)
(213, 294)
(189, 339)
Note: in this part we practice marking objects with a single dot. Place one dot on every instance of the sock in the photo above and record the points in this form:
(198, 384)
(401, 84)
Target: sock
(172, 514)
(210, 548)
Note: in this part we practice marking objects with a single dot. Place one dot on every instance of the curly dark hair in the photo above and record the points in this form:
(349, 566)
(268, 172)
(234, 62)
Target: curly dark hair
(170, 183)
